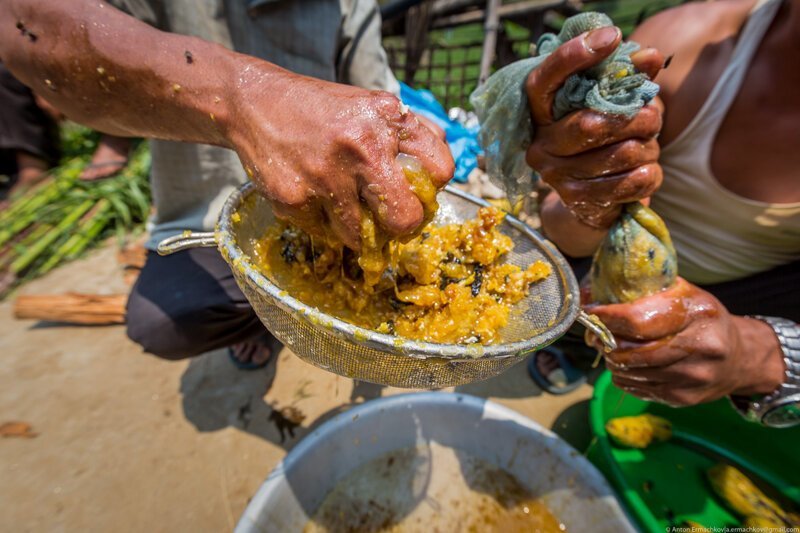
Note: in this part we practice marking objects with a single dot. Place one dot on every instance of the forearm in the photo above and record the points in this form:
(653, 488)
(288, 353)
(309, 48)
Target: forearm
(567, 232)
(116, 74)
(317, 150)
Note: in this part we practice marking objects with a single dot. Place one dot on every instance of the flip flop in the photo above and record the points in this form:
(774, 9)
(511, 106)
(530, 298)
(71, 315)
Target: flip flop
(270, 342)
(561, 380)
(116, 162)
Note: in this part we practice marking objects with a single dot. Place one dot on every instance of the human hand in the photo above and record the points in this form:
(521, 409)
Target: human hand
(682, 347)
(596, 162)
(316, 149)
(431, 125)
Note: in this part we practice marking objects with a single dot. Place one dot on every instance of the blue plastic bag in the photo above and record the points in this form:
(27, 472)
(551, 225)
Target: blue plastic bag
(463, 142)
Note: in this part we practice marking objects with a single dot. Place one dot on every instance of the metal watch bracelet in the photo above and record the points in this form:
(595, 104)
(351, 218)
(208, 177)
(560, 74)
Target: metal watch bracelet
(782, 407)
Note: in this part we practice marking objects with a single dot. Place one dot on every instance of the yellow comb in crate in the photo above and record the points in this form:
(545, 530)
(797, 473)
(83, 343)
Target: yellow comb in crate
(743, 497)
(639, 431)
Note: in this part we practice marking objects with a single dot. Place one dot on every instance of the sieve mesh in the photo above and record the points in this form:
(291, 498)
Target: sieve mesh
(331, 344)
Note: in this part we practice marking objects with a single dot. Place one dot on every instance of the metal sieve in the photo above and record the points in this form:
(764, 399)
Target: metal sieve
(550, 308)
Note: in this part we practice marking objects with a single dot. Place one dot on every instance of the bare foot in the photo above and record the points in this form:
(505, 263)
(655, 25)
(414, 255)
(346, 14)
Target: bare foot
(546, 363)
(30, 170)
(251, 354)
(109, 158)
(552, 369)
(48, 108)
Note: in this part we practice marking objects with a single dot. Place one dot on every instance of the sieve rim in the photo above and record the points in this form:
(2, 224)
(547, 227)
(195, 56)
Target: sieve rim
(391, 344)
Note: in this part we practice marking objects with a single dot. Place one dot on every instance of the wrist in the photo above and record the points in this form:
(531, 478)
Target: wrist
(567, 232)
(759, 346)
(253, 103)
(227, 110)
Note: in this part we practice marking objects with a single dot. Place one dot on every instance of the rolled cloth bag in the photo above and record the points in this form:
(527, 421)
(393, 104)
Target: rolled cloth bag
(637, 257)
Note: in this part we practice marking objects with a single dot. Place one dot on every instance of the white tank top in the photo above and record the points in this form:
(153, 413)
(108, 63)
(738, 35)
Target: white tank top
(719, 235)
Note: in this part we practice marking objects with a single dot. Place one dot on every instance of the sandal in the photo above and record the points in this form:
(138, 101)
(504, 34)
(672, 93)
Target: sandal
(121, 163)
(267, 341)
(112, 153)
(562, 379)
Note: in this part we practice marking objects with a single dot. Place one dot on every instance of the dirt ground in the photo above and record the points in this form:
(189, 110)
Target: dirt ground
(128, 442)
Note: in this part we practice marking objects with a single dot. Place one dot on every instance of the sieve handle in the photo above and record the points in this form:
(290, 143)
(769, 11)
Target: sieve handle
(594, 325)
(185, 241)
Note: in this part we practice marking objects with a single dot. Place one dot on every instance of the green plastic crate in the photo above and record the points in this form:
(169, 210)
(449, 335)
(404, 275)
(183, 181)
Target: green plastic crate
(665, 484)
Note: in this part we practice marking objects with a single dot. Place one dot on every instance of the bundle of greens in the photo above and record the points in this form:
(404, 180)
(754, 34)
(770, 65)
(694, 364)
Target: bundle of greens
(62, 217)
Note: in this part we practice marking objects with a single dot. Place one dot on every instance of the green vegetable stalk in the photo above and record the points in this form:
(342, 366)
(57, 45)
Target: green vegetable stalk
(20, 202)
(62, 216)
(29, 215)
(22, 244)
(89, 228)
(24, 260)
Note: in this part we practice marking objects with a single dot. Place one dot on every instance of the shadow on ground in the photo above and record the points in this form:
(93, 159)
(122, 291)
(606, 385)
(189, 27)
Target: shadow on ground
(217, 395)
(573, 426)
(513, 383)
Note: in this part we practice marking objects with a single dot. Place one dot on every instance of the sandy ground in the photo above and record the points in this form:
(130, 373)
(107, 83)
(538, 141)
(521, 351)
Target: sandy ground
(128, 442)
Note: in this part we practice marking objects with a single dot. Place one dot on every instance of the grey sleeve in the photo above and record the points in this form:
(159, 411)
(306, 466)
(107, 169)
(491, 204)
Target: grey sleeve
(362, 60)
(151, 12)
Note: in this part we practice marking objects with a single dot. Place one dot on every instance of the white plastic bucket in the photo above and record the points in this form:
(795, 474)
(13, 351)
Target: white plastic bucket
(572, 488)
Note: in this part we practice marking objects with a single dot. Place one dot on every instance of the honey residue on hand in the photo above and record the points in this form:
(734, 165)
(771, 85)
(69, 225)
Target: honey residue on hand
(446, 285)
(375, 242)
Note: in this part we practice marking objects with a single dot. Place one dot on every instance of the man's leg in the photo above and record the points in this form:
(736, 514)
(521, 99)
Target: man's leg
(188, 303)
(28, 137)
(109, 158)
(30, 169)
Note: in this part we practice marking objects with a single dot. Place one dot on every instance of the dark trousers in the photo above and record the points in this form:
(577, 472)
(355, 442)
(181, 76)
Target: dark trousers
(23, 125)
(188, 303)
